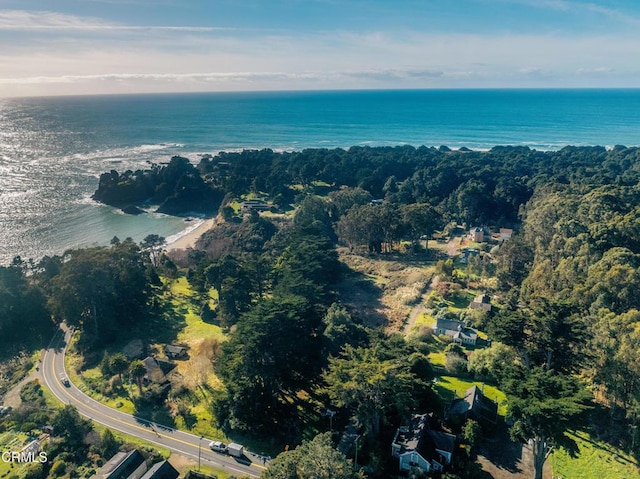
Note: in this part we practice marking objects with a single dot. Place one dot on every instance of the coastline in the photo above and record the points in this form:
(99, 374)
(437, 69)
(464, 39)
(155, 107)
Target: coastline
(188, 237)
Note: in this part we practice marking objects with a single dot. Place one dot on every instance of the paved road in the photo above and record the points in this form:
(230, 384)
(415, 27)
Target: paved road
(190, 445)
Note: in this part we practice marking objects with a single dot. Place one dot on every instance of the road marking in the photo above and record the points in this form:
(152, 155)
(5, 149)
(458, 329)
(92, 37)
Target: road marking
(134, 426)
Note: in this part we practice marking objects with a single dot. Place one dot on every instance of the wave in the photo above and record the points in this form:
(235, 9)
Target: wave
(123, 152)
(194, 225)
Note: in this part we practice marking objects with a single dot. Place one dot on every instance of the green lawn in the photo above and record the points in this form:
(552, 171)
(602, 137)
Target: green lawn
(186, 300)
(94, 375)
(424, 321)
(198, 329)
(11, 441)
(460, 300)
(595, 460)
(450, 387)
(182, 308)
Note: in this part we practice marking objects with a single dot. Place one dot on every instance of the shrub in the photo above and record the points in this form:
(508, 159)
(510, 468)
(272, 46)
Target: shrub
(455, 349)
(35, 470)
(28, 426)
(112, 387)
(105, 365)
(31, 392)
(58, 469)
(455, 364)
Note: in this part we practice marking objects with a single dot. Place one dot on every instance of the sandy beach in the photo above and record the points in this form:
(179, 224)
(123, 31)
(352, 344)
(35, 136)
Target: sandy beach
(188, 240)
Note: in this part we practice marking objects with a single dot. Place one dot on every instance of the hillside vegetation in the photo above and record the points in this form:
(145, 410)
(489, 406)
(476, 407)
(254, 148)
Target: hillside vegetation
(283, 332)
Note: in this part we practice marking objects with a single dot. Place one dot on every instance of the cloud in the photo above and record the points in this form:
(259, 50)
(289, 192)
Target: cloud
(393, 74)
(577, 7)
(234, 60)
(18, 20)
(596, 71)
(224, 76)
(163, 77)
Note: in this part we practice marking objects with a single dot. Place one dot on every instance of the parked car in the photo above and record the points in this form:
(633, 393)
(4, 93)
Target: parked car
(218, 446)
(235, 450)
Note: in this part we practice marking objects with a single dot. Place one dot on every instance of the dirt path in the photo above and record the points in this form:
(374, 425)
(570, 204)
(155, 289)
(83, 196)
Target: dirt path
(12, 397)
(452, 250)
(417, 310)
(453, 245)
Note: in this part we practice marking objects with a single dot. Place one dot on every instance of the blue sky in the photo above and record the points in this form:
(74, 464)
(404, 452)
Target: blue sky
(51, 47)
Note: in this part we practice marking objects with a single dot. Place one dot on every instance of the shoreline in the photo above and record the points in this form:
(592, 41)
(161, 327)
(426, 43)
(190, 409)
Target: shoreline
(187, 238)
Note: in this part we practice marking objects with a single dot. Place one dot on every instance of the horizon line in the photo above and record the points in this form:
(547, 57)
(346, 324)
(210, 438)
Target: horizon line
(323, 90)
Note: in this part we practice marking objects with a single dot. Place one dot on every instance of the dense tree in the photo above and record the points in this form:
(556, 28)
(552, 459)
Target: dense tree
(376, 227)
(316, 459)
(615, 349)
(345, 198)
(546, 334)
(23, 312)
(612, 282)
(108, 443)
(307, 266)
(544, 404)
(340, 329)
(273, 353)
(544, 396)
(101, 290)
(153, 244)
(490, 364)
(471, 433)
(373, 382)
(314, 212)
(35, 470)
(421, 220)
(359, 227)
(69, 425)
(233, 283)
(476, 187)
(514, 260)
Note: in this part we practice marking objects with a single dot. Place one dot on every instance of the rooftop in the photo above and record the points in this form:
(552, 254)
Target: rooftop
(408, 437)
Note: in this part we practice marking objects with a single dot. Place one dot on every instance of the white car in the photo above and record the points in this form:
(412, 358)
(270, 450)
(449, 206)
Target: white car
(218, 446)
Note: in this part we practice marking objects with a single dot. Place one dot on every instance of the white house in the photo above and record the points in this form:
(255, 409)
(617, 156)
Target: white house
(457, 330)
(418, 446)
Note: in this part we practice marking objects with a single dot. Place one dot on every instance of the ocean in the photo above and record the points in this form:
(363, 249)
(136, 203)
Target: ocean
(52, 150)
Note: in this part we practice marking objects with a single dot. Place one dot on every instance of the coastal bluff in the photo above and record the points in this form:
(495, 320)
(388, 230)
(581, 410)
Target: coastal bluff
(177, 188)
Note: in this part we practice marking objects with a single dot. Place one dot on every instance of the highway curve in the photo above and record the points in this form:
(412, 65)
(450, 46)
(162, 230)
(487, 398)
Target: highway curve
(53, 369)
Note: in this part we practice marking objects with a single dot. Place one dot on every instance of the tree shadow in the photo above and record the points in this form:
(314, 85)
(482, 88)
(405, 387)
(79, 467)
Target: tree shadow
(362, 297)
(189, 418)
(500, 450)
(151, 406)
(162, 323)
(610, 431)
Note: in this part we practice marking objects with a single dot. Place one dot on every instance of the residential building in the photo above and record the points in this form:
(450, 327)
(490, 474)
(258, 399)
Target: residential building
(175, 352)
(157, 369)
(482, 301)
(457, 331)
(253, 205)
(161, 470)
(505, 233)
(474, 405)
(417, 445)
(123, 465)
(476, 234)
